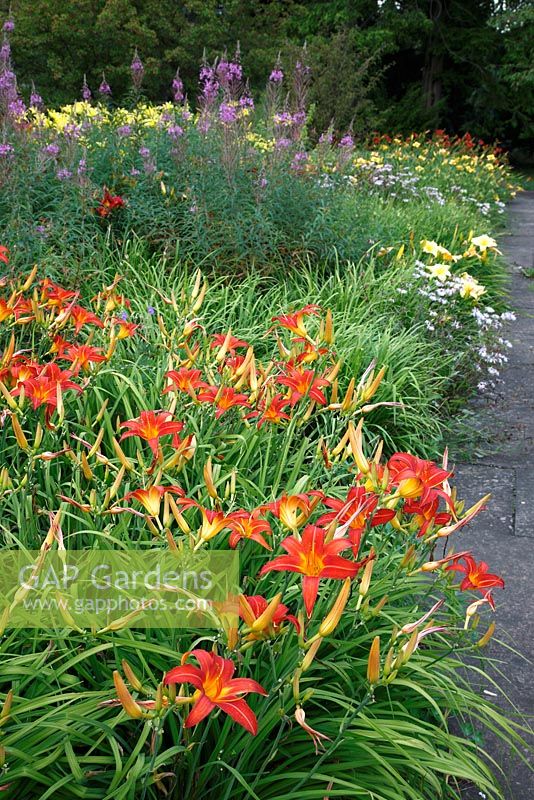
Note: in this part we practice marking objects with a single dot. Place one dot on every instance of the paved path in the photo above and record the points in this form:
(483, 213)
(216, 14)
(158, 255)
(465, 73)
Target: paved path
(504, 534)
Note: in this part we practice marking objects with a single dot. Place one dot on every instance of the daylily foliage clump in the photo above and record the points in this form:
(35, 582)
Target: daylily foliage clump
(349, 557)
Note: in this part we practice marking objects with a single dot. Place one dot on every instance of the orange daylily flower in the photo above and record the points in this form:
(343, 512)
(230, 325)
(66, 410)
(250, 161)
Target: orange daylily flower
(126, 329)
(304, 383)
(81, 316)
(426, 514)
(251, 608)
(82, 356)
(246, 525)
(272, 411)
(476, 575)
(417, 478)
(216, 688)
(314, 559)
(218, 339)
(42, 389)
(293, 510)
(55, 295)
(294, 322)
(151, 426)
(354, 513)
(185, 380)
(223, 398)
(151, 498)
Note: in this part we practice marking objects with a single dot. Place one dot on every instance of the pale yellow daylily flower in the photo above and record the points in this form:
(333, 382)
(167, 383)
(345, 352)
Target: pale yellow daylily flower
(439, 271)
(471, 287)
(484, 243)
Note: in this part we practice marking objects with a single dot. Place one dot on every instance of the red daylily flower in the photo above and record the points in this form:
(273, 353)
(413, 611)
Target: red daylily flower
(151, 498)
(304, 383)
(55, 295)
(109, 203)
(294, 322)
(5, 310)
(23, 310)
(417, 478)
(216, 688)
(4, 254)
(21, 369)
(82, 356)
(185, 380)
(272, 411)
(42, 388)
(126, 329)
(151, 426)
(256, 604)
(81, 316)
(353, 514)
(426, 514)
(59, 345)
(294, 509)
(219, 339)
(246, 525)
(223, 397)
(314, 559)
(476, 575)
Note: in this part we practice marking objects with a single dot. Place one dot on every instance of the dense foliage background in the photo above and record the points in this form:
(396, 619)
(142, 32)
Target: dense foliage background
(390, 64)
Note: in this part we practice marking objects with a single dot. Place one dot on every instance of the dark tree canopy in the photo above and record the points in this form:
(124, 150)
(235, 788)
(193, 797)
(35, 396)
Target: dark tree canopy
(378, 64)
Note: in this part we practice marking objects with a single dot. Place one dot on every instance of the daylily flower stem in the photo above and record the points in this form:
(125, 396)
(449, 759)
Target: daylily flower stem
(329, 750)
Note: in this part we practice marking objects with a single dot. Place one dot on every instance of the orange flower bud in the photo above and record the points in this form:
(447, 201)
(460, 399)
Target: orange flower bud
(373, 663)
(19, 433)
(131, 677)
(208, 479)
(356, 446)
(310, 655)
(487, 636)
(128, 703)
(331, 621)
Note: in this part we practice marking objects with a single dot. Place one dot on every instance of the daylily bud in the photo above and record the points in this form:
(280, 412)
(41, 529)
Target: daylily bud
(102, 410)
(126, 463)
(373, 385)
(310, 655)
(379, 606)
(331, 621)
(201, 297)
(208, 479)
(487, 636)
(65, 613)
(8, 397)
(349, 394)
(19, 433)
(128, 703)
(388, 663)
(29, 280)
(363, 588)
(6, 708)
(296, 685)
(4, 619)
(131, 677)
(265, 619)
(355, 439)
(86, 469)
(96, 445)
(38, 436)
(406, 652)
(328, 335)
(373, 662)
